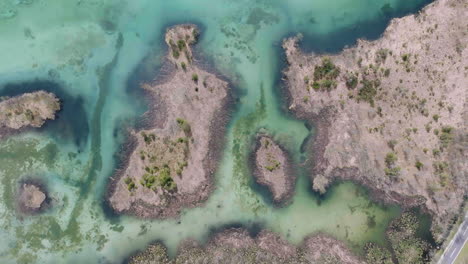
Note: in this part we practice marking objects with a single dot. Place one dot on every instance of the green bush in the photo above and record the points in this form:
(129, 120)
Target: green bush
(381, 55)
(130, 184)
(446, 136)
(392, 143)
(368, 91)
(392, 172)
(387, 72)
(175, 49)
(181, 44)
(165, 180)
(351, 81)
(184, 125)
(195, 78)
(419, 165)
(390, 159)
(327, 70)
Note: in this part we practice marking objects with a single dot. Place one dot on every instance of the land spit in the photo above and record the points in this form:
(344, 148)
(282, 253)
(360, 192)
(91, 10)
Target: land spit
(272, 168)
(29, 110)
(392, 114)
(237, 246)
(171, 162)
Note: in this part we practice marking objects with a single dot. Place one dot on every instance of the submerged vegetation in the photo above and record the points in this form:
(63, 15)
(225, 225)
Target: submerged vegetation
(406, 246)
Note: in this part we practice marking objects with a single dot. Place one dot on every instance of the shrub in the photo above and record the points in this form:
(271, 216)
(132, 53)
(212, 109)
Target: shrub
(316, 86)
(326, 70)
(446, 136)
(368, 91)
(392, 143)
(175, 50)
(392, 172)
(405, 57)
(148, 180)
(419, 165)
(325, 75)
(181, 44)
(390, 159)
(381, 55)
(184, 66)
(274, 164)
(436, 117)
(130, 184)
(182, 140)
(351, 81)
(184, 125)
(387, 72)
(195, 77)
(165, 180)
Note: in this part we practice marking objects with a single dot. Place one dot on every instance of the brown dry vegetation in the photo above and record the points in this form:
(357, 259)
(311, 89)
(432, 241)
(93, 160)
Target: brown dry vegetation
(395, 114)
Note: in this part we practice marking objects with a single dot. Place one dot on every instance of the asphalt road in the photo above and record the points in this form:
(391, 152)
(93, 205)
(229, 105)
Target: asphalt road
(456, 245)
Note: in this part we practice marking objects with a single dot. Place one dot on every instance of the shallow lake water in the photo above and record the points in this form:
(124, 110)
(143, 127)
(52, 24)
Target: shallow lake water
(91, 54)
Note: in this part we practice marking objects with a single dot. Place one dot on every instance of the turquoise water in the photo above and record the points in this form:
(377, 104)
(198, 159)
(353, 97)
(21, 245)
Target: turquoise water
(90, 53)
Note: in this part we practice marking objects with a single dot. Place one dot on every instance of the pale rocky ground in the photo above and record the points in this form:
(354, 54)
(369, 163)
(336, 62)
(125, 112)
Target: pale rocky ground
(419, 72)
(27, 110)
(273, 168)
(30, 198)
(186, 129)
(237, 246)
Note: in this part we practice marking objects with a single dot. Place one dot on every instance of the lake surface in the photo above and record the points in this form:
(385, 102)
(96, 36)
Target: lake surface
(94, 53)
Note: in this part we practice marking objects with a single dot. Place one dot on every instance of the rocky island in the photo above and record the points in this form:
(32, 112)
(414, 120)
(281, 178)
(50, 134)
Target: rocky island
(392, 113)
(272, 168)
(172, 162)
(32, 198)
(27, 110)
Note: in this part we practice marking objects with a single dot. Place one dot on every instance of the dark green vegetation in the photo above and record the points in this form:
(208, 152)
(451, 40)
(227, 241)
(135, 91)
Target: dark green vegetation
(184, 125)
(158, 178)
(175, 49)
(325, 76)
(446, 136)
(368, 90)
(352, 81)
(405, 245)
(272, 165)
(130, 184)
(163, 158)
(441, 169)
(392, 170)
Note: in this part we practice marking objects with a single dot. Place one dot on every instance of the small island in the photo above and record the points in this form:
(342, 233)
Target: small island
(27, 110)
(391, 113)
(171, 163)
(273, 168)
(31, 198)
(235, 245)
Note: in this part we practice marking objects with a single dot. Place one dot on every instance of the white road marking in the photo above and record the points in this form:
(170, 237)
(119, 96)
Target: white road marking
(451, 255)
